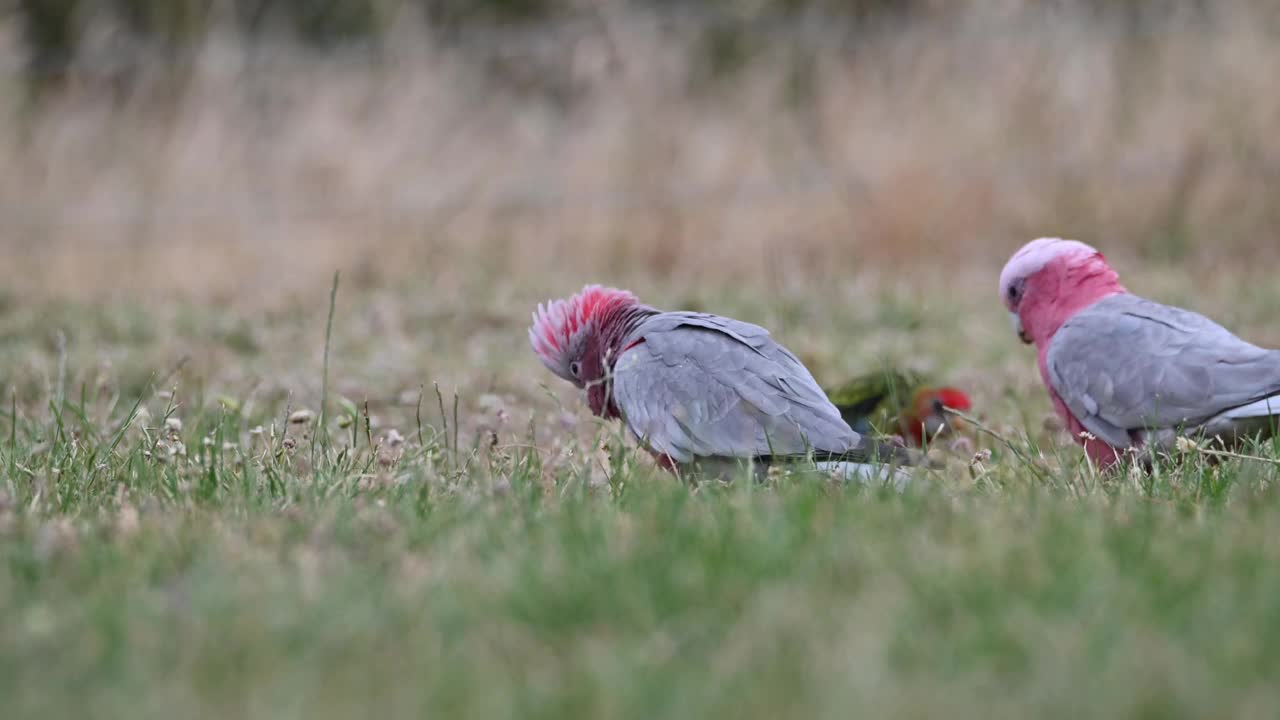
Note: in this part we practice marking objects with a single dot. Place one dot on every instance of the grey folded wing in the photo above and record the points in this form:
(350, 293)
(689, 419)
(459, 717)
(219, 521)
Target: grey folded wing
(700, 385)
(1127, 363)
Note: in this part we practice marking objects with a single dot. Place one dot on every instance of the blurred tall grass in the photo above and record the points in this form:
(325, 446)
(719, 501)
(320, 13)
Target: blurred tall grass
(235, 146)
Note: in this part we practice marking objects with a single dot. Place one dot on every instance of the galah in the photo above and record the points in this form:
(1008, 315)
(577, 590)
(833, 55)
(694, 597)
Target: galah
(893, 401)
(698, 390)
(1128, 374)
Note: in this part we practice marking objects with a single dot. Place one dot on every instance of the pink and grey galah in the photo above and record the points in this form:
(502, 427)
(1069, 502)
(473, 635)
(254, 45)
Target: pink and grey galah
(699, 390)
(1128, 374)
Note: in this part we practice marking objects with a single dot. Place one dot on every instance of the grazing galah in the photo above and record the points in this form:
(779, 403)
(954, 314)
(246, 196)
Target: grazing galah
(697, 389)
(1125, 372)
(902, 402)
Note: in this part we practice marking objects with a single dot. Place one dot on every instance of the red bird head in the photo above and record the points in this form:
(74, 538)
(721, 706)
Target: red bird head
(573, 337)
(1051, 279)
(926, 416)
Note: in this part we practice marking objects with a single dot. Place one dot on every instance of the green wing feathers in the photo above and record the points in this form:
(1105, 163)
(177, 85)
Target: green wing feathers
(871, 403)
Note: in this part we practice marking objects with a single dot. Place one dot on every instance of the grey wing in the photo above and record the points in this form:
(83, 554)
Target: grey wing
(1128, 364)
(705, 386)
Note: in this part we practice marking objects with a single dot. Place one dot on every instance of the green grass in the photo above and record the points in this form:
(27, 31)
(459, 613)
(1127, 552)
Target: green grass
(513, 558)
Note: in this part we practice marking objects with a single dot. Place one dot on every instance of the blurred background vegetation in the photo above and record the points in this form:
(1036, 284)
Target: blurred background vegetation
(268, 141)
(729, 33)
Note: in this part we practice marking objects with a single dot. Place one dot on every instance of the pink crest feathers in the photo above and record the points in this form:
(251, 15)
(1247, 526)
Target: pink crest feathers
(557, 322)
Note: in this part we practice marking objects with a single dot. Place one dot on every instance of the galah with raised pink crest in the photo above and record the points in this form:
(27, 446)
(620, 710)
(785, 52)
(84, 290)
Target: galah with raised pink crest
(1125, 372)
(698, 389)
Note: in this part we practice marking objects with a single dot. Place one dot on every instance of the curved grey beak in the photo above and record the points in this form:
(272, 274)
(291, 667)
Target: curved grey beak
(1017, 327)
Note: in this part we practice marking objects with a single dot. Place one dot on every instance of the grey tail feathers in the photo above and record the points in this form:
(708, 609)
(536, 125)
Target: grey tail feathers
(1265, 407)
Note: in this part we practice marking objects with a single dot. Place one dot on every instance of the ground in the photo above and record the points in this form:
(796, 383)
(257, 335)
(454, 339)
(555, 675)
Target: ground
(504, 554)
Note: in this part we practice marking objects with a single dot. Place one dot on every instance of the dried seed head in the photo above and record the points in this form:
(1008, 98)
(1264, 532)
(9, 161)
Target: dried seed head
(301, 417)
(391, 448)
(978, 463)
(173, 424)
(1186, 445)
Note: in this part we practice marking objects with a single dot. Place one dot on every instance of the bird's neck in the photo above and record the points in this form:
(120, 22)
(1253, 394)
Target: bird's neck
(1070, 289)
(614, 325)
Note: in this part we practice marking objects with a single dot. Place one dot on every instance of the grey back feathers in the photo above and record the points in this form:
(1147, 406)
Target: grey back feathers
(699, 386)
(1128, 364)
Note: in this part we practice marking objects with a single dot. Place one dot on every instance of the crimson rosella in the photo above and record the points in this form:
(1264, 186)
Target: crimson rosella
(900, 402)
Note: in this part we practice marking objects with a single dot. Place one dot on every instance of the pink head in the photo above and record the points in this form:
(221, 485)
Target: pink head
(1051, 279)
(573, 337)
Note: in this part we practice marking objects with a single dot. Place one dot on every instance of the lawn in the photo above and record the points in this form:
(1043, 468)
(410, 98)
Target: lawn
(177, 538)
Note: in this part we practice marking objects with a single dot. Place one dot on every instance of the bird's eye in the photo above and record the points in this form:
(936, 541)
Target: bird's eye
(1015, 292)
(575, 368)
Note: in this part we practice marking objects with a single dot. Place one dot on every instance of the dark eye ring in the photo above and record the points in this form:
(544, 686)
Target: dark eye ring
(1014, 292)
(575, 368)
